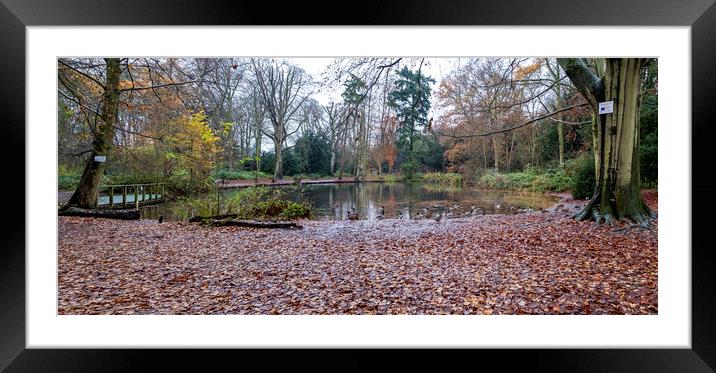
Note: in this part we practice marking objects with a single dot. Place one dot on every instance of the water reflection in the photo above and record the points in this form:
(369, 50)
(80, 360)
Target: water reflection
(373, 201)
(416, 201)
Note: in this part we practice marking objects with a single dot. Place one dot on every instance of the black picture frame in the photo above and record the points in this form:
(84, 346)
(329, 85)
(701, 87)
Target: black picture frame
(16, 15)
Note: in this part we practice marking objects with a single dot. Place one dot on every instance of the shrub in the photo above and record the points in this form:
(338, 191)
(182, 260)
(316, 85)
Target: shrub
(554, 180)
(281, 203)
(68, 178)
(295, 210)
(408, 170)
(582, 177)
(239, 175)
(390, 178)
(67, 182)
(441, 178)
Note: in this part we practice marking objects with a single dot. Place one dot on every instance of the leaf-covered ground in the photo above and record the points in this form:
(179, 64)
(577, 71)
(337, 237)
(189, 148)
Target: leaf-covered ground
(535, 263)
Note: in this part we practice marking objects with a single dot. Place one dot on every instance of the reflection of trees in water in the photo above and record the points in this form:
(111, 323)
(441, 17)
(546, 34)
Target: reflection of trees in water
(335, 201)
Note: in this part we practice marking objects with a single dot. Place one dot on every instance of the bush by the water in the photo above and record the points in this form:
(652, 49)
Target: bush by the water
(581, 171)
(453, 179)
(408, 171)
(390, 178)
(552, 180)
(239, 175)
(282, 203)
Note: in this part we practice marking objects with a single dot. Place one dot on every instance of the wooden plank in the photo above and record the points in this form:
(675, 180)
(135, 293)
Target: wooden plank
(111, 197)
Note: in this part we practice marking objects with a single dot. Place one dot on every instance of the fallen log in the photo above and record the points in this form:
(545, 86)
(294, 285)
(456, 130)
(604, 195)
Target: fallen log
(108, 214)
(254, 224)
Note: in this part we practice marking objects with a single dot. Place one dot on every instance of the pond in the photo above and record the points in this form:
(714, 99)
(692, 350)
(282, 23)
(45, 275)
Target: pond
(400, 201)
(417, 201)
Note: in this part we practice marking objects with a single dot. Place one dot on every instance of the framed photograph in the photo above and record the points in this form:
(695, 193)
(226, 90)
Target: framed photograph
(197, 176)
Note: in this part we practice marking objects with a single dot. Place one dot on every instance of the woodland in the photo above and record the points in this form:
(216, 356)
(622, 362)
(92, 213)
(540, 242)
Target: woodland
(358, 185)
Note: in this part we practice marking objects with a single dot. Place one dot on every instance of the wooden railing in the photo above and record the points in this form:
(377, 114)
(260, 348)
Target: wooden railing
(130, 195)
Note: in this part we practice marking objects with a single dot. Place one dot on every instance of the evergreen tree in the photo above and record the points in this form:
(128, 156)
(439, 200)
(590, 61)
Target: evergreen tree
(411, 102)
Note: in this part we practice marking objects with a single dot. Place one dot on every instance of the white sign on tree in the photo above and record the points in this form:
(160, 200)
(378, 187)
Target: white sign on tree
(100, 158)
(606, 107)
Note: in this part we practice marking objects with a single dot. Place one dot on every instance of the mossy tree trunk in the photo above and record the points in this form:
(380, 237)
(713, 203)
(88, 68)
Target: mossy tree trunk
(85, 196)
(617, 194)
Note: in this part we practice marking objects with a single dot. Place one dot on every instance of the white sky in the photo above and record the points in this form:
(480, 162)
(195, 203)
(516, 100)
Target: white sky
(437, 68)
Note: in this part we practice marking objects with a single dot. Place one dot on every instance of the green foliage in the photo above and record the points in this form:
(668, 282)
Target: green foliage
(411, 102)
(576, 140)
(582, 176)
(441, 178)
(136, 178)
(531, 179)
(281, 209)
(239, 175)
(312, 154)
(282, 203)
(353, 91)
(67, 182)
(429, 152)
(268, 161)
(68, 177)
(408, 171)
(390, 178)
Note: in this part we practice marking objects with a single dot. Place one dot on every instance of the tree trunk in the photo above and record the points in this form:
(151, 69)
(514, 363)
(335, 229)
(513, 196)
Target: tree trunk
(86, 193)
(496, 150)
(560, 138)
(484, 153)
(278, 167)
(617, 194)
(333, 159)
(108, 214)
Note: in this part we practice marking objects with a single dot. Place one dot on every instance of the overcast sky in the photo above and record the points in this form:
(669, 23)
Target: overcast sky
(436, 68)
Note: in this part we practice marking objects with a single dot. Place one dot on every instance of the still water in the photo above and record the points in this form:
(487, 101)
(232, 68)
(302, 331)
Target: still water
(398, 201)
(417, 201)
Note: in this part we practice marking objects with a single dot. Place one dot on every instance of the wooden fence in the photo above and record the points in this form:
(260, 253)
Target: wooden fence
(130, 195)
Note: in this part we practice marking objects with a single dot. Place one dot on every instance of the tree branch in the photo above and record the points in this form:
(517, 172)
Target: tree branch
(587, 83)
(513, 127)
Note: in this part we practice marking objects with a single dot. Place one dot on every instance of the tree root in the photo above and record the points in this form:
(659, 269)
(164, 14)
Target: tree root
(641, 217)
(588, 212)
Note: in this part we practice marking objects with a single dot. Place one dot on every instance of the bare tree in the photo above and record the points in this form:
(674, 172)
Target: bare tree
(282, 89)
(333, 126)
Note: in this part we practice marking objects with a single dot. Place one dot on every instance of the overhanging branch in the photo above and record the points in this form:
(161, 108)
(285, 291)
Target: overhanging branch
(513, 127)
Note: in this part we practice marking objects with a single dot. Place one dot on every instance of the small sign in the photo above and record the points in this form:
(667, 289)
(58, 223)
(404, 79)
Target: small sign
(100, 158)
(606, 107)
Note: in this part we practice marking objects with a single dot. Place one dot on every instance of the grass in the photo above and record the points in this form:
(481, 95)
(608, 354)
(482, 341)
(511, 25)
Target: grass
(442, 178)
(390, 178)
(553, 180)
